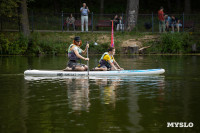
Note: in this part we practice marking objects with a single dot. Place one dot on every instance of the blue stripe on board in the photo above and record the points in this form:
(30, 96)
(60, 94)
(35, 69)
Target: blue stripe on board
(148, 70)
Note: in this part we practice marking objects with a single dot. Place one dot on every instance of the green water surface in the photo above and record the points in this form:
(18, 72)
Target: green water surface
(128, 104)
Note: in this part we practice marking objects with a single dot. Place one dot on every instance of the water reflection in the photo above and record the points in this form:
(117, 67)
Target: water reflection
(108, 90)
(141, 104)
(78, 94)
(117, 104)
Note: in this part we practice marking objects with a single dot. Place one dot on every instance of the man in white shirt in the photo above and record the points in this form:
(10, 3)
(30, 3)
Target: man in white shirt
(84, 17)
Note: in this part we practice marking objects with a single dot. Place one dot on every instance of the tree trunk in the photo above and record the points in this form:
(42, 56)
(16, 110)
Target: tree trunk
(169, 6)
(56, 6)
(131, 14)
(178, 3)
(187, 6)
(102, 8)
(24, 18)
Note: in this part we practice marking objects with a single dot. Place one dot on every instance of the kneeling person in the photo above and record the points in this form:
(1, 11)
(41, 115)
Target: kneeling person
(74, 54)
(107, 61)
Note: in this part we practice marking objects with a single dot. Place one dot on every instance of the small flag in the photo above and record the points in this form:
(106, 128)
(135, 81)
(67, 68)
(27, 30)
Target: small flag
(112, 37)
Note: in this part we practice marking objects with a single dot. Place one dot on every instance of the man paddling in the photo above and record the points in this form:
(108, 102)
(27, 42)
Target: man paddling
(107, 61)
(74, 54)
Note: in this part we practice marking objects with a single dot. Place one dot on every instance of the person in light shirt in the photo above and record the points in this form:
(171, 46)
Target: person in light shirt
(84, 17)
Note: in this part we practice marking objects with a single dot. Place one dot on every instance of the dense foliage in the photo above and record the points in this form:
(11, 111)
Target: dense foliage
(16, 45)
(177, 43)
(46, 43)
(21, 45)
(57, 43)
(111, 6)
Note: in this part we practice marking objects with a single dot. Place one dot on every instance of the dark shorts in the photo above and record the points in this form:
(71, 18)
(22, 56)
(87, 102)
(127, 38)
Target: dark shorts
(74, 64)
(103, 66)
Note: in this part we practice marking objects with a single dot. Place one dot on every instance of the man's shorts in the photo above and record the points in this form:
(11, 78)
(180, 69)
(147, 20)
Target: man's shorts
(103, 66)
(73, 64)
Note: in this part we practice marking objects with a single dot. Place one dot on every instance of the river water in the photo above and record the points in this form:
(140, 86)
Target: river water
(132, 104)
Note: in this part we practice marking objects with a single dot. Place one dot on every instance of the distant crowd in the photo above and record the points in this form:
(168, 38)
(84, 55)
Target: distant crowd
(166, 22)
(118, 23)
(84, 19)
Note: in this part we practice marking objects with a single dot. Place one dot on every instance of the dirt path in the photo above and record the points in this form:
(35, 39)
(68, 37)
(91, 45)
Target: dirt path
(138, 42)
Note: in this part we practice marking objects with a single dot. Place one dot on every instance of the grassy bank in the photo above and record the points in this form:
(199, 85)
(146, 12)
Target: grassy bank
(13, 43)
(176, 43)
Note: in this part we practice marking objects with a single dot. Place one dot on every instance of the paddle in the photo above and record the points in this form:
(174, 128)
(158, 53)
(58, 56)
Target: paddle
(87, 61)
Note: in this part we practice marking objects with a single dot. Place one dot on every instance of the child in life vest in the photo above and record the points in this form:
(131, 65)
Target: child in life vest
(107, 61)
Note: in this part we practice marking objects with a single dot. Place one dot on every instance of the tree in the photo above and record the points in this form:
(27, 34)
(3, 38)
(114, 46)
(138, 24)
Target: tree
(132, 14)
(14, 9)
(187, 6)
(169, 5)
(8, 8)
(101, 7)
(24, 22)
(178, 3)
(56, 4)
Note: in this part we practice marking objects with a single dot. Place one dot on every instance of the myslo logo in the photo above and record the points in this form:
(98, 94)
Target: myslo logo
(179, 124)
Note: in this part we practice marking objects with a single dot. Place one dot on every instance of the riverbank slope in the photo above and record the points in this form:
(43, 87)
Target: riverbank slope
(14, 43)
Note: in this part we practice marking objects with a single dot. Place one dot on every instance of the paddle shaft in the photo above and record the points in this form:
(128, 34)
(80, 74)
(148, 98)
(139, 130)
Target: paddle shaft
(87, 61)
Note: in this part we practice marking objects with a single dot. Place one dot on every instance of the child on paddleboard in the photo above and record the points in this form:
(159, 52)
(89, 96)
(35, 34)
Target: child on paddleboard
(74, 55)
(107, 61)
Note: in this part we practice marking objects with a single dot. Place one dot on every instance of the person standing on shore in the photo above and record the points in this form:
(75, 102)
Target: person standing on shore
(84, 17)
(161, 20)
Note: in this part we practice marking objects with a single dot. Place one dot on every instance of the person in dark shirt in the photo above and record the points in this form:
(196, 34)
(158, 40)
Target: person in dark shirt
(116, 20)
(70, 21)
(175, 22)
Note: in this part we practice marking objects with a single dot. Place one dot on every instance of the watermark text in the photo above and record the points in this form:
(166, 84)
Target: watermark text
(180, 124)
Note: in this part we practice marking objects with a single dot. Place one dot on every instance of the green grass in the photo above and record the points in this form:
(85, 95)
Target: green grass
(13, 43)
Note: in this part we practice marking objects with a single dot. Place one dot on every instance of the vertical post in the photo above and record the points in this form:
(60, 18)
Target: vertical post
(183, 21)
(19, 21)
(32, 21)
(122, 23)
(1, 23)
(152, 23)
(62, 20)
(87, 61)
(92, 22)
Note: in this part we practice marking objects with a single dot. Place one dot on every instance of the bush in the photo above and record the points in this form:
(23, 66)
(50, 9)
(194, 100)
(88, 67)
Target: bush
(58, 43)
(176, 43)
(33, 45)
(18, 46)
(4, 44)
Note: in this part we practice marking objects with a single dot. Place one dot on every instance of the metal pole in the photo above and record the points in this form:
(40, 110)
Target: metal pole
(152, 23)
(19, 21)
(1, 22)
(92, 21)
(62, 21)
(183, 21)
(122, 23)
(32, 20)
(87, 57)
